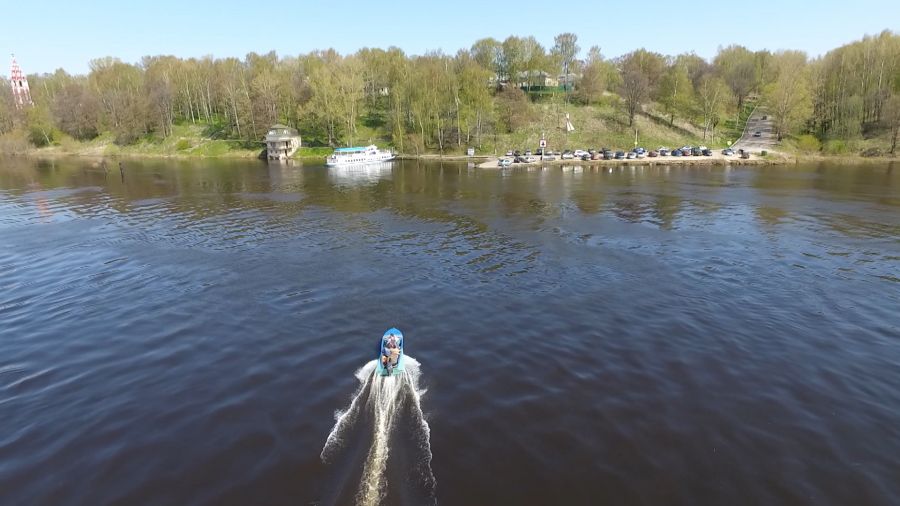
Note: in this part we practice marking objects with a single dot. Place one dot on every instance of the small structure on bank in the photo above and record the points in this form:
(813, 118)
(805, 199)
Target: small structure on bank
(281, 142)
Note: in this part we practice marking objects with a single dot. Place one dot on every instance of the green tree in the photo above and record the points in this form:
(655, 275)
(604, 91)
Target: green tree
(788, 97)
(513, 109)
(635, 85)
(489, 54)
(77, 111)
(737, 67)
(676, 92)
(40, 125)
(712, 95)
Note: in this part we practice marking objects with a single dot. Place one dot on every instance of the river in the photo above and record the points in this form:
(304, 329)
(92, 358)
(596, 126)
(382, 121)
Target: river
(193, 333)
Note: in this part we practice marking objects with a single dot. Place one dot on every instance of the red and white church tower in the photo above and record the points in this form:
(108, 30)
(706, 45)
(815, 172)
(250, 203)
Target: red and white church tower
(19, 84)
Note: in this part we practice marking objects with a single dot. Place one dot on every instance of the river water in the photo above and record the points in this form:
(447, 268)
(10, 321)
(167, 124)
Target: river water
(189, 333)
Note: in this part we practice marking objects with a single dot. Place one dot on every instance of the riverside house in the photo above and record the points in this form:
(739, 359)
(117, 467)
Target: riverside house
(281, 142)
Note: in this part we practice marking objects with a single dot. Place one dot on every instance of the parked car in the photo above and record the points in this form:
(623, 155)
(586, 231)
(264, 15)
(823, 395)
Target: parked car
(608, 155)
(539, 152)
(696, 152)
(653, 154)
(640, 154)
(639, 150)
(530, 159)
(663, 151)
(757, 134)
(579, 153)
(745, 154)
(517, 153)
(685, 149)
(586, 157)
(509, 153)
(549, 158)
(528, 153)
(620, 155)
(504, 162)
(631, 155)
(567, 155)
(728, 152)
(549, 152)
(707, 152)
(676, 152)
(596, 155)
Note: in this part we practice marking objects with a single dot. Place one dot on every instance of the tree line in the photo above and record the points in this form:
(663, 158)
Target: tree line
(443, 102)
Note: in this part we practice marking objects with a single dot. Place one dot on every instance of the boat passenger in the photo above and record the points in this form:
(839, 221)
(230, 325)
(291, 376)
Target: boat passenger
(395, 353)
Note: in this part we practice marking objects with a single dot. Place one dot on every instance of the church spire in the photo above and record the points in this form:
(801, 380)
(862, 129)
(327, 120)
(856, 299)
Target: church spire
(19, 84)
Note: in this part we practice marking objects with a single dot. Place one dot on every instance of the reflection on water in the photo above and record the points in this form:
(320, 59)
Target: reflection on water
(184, 333)
(352, 175)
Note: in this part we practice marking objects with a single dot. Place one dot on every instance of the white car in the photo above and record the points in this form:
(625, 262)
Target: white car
(580, 153)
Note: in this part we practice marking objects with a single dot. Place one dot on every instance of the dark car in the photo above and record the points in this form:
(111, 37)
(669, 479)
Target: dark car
(620, 155)
(757, 134)
(765, 118)
(728, 152)
(707, 152)
(608, 155)
(676, 152)
(696, 152)
(653, 154)
(517, 153)
(539, 152)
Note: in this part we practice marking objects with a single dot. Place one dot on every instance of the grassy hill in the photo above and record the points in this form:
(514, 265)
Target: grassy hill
(595, 126)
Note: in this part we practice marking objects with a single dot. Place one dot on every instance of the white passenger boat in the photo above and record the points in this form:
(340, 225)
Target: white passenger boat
(355, 156)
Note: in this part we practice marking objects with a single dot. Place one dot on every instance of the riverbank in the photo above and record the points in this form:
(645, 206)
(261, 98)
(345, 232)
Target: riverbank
(481, 162)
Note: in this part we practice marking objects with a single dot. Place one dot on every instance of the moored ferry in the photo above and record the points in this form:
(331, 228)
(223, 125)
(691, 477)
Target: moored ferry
(359, 155)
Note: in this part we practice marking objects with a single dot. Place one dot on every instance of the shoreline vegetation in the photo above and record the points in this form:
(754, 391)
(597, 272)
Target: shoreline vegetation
(493, 97)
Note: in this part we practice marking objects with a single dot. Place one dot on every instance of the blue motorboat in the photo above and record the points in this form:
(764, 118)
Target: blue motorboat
(390, 353)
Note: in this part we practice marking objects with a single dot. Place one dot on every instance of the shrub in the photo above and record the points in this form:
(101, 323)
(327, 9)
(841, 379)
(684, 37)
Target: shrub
(808, 144)
(182, 144)
(14, 143)
(836, 147)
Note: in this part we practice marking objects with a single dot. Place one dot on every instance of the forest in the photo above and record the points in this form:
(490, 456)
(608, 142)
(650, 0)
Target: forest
(436, 102)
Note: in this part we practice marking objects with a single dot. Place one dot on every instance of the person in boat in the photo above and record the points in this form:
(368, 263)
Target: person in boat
(394, 351)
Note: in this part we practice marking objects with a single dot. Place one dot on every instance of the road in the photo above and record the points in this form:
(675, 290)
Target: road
(758, 122)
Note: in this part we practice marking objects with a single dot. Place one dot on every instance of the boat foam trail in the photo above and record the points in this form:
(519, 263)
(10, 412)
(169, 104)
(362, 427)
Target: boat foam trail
(383, 399)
